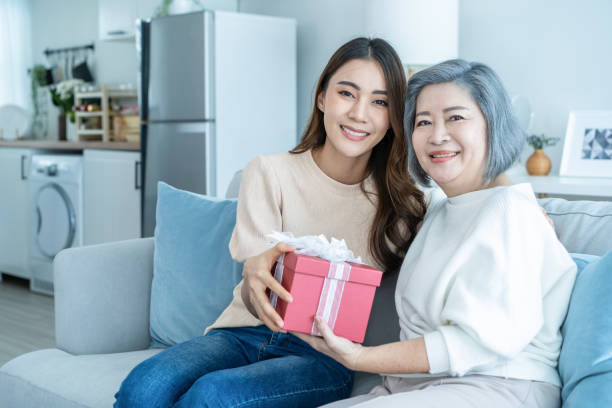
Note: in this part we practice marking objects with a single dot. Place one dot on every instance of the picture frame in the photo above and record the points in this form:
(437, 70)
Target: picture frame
(587, 149)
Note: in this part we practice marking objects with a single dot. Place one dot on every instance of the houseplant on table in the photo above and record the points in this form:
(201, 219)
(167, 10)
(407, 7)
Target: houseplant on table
(40, 77)
(62, 96)
(538, 164)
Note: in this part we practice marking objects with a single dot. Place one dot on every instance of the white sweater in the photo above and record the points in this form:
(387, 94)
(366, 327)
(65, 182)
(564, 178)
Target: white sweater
(487, 283)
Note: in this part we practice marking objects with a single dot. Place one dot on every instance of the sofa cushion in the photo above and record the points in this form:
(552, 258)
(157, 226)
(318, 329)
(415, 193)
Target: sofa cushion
(582, 226)
(194, 274)
(585, 363)
(62, 380)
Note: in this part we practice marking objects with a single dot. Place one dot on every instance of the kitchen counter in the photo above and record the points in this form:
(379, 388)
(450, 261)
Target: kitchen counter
(66, 145)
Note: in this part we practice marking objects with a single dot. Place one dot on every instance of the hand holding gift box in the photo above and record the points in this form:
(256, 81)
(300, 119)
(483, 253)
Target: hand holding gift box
(326, 280)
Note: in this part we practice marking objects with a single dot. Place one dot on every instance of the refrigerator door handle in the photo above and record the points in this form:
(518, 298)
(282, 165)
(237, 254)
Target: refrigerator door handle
(209, 65)
(137, 183)
(23, 172)
(211, 165)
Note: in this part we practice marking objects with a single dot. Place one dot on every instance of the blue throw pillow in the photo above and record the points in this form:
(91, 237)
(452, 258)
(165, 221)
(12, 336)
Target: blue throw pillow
(585, 363)
(194, 274)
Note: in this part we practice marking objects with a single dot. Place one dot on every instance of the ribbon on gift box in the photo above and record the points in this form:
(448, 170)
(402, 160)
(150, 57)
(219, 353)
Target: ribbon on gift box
(331, 295)
(334, 251)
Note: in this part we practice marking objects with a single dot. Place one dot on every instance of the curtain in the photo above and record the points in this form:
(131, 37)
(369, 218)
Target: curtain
(15, 53)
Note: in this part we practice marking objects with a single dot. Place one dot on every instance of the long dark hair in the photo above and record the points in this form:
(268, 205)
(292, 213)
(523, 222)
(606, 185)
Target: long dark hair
(400, 205)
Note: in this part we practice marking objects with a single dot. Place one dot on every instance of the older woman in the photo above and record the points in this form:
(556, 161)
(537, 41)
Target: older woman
(485, 285)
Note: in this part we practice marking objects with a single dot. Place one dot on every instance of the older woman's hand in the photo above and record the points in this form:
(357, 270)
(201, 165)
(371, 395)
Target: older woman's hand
(340, 349)
(257, 279)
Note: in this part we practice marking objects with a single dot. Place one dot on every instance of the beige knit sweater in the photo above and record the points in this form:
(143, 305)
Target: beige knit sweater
(290, 193)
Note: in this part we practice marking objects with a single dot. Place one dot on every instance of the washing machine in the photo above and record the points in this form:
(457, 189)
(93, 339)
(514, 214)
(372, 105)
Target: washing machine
(56, 201)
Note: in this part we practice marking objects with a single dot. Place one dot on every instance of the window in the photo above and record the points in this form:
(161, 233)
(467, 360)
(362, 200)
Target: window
(15, 53)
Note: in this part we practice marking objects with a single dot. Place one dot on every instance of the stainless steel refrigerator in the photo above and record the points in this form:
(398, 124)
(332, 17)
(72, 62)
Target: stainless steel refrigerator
(216, 89)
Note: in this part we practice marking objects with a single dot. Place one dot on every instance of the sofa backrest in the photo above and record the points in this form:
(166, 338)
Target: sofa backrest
(234, 185)
(582, 226)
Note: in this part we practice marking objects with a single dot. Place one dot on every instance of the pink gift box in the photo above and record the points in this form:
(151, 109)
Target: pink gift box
(342, 293)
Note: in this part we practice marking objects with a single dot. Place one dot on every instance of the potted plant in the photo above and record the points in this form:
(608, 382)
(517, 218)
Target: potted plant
(38, 78)
(538, 164)
(62, 96)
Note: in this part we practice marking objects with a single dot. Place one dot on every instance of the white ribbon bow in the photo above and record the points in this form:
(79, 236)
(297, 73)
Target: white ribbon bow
(334, 251)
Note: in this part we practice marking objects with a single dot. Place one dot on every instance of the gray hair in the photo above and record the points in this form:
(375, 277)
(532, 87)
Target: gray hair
(505, 137)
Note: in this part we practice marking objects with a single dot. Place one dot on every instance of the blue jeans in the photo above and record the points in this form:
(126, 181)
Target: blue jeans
(236, 367)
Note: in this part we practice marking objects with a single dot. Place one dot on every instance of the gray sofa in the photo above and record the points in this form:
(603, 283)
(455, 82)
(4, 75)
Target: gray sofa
(102, 298)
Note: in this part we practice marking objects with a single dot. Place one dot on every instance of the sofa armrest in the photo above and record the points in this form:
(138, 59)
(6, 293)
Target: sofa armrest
(102, 297)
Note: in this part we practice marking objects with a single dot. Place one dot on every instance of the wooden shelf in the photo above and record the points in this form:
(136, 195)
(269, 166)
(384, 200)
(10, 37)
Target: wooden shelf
(90, 132)
(89, 114)
(122, 93)
(88, 95)
(104, 95)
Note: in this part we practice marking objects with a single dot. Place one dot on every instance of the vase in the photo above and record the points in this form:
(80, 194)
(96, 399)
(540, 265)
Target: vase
(71, 131)
(538, 164)
(61, 127)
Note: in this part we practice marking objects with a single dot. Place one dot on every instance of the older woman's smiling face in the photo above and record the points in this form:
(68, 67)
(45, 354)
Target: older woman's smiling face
(450, 138)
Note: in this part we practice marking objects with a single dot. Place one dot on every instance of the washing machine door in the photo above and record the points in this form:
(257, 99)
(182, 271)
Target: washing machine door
(55, 220)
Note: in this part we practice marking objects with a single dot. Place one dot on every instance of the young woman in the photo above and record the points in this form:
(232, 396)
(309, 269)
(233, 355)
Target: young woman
(348, 178)
(485, 285)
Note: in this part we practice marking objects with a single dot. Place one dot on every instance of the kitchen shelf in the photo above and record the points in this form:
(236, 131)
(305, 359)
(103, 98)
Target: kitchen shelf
(89, 114)
(92, 95)
(122, 93)
(104, 95)
(91, 132)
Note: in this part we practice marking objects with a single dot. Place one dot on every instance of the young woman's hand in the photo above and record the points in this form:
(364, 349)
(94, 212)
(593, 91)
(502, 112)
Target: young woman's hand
(257, 279)
(550, 221)
(340, 349)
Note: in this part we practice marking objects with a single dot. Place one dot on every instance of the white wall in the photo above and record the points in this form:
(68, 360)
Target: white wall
(59, 24)
(322, 27)
(557, 53)
(66, 23)
(62, 23)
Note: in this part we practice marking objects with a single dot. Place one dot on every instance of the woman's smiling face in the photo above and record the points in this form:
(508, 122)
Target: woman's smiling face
(355, 109)
(450, 138)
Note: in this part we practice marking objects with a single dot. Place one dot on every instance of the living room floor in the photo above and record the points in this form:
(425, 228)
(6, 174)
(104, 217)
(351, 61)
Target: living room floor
(26, 319)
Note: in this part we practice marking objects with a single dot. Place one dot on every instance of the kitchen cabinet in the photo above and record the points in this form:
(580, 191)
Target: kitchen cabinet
(111, 196)
(117, 19)
(14, 211)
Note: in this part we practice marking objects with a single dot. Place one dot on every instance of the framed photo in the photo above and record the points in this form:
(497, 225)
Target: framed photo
(587, 150)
